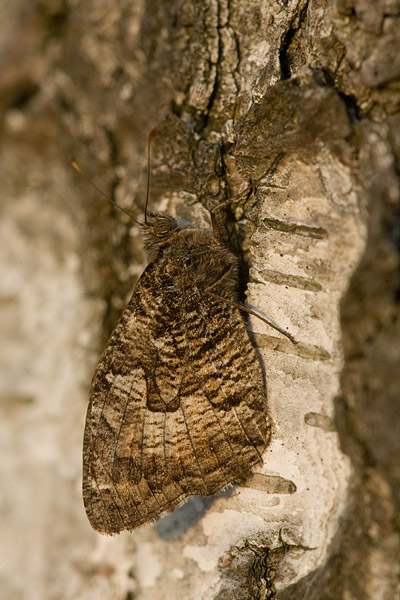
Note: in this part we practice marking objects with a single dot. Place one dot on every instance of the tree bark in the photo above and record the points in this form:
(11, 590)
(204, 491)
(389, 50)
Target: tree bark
(292, 109)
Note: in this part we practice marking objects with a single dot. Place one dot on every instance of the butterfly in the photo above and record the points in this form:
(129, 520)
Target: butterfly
(177, 404)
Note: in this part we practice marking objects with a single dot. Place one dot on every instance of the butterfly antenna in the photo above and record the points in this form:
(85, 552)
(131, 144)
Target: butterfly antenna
(77, 168)
(151, 135)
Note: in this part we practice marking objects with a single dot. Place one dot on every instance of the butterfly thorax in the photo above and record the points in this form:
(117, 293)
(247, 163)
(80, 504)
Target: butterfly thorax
(191, 255)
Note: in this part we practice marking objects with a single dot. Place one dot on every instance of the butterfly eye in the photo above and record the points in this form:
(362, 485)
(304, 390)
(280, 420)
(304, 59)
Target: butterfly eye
(187, 261)
(162, 226)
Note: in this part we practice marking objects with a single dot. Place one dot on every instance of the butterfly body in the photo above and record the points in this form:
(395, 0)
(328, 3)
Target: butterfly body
(177, 404)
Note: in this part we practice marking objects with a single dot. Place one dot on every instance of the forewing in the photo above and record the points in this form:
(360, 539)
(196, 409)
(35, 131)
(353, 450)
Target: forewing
(177, 405)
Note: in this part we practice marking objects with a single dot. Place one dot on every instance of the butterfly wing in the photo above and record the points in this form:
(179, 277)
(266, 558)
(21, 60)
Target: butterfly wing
(176, 409)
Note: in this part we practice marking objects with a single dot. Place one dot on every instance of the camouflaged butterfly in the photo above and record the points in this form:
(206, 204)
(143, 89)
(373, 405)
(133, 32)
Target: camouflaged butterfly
(177, 404)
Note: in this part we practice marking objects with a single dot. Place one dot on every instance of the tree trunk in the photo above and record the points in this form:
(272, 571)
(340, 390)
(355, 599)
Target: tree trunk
(292, 108)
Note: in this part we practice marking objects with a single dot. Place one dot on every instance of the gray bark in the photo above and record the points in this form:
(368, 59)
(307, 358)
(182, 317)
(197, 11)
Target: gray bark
(294, 106)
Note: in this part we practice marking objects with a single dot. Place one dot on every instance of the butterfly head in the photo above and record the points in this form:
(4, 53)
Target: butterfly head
(158, 229)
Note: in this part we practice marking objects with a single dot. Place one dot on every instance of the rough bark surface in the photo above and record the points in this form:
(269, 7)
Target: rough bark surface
(293, 105)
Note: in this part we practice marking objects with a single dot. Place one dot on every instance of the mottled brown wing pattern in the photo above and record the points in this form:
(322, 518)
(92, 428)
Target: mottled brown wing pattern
(171, 414)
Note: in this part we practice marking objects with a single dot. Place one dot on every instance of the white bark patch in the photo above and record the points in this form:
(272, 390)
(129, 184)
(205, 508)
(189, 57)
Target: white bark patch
(148, 566)
(306, 231)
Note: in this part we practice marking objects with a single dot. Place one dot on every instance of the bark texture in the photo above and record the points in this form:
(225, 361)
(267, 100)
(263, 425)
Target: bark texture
(293, 105)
